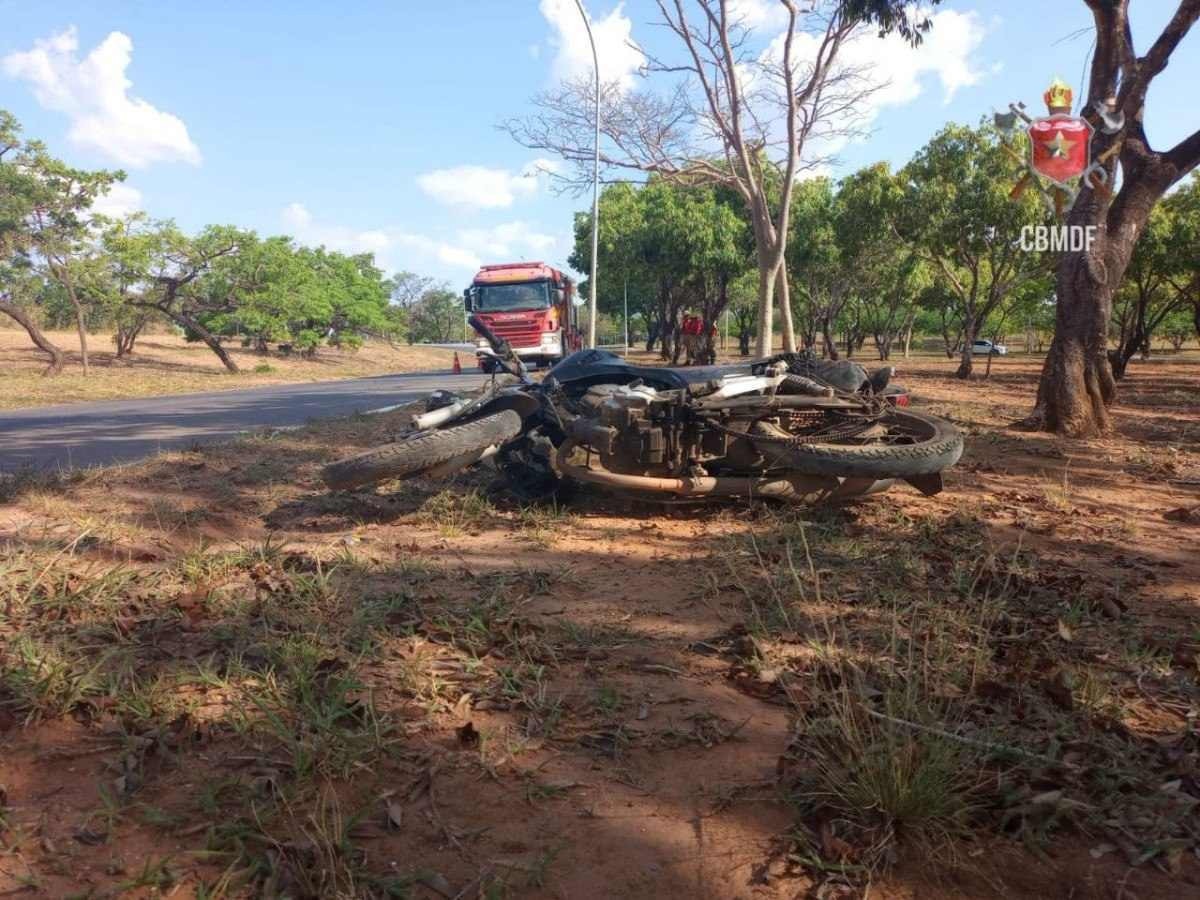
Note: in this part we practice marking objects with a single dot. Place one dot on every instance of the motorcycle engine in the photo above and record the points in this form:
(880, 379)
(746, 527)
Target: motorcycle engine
(625, 425)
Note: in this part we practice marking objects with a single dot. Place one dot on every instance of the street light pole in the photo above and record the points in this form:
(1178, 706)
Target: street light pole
(626, 317)
(592, 289)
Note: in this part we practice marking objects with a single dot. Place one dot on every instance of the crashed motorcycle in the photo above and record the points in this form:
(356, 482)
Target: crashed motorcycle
(790, 427)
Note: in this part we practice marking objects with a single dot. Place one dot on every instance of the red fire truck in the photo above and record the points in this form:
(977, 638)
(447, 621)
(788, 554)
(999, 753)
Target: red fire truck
(530, 305)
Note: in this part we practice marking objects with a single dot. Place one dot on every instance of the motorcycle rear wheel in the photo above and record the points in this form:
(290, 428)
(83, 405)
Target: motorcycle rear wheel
(404, 459)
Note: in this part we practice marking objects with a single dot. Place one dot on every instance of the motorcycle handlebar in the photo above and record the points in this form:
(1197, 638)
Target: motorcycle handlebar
(500, 347)
(497, 344)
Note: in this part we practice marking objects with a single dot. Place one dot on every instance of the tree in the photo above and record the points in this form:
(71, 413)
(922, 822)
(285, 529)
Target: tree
(680, 245)
(1177, 328)
(744, 308)
(760, 111)
(622, 255)
(18, 282)
(438, 316)
(815, 258)
(356, 294)
(1077, 385)
(179, 283)
(118, 281)
(404, 290)
(882, 276)
(1160, 272)
(851, 272)
(959, 217)
(58, 223)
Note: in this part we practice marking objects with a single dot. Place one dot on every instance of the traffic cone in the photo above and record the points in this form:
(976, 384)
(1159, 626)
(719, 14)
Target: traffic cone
(457, 364)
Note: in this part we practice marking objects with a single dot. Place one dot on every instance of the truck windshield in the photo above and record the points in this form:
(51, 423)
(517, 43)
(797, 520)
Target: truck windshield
(512, 297)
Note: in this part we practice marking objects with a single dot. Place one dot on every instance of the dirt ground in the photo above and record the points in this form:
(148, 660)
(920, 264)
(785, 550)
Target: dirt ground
(167, 364)
(216, 679)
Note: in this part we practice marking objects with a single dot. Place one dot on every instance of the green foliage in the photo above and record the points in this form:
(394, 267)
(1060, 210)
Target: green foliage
(437, 316)
(1162, 280)
(958, 215)
(58, 257)
(674, 246)
(906, 18)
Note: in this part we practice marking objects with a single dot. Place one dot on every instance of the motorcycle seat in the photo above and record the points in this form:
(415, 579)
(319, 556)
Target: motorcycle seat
(603, 365)
(596, 366)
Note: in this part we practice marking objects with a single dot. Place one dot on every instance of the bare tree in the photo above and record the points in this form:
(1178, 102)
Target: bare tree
(751, 121)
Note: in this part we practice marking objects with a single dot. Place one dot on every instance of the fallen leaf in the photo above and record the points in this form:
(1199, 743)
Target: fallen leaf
(1064, 631)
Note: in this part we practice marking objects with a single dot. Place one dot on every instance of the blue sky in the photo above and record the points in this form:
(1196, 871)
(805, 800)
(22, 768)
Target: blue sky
(371, 125)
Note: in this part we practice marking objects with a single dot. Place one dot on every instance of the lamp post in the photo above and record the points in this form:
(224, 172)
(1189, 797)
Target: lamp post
(626, 317)
(592, 289)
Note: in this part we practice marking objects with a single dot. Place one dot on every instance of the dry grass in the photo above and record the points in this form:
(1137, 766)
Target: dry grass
(217, 677)
(166, 364)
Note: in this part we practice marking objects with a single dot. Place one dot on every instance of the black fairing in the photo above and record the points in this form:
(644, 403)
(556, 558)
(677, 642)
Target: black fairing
(605, 367)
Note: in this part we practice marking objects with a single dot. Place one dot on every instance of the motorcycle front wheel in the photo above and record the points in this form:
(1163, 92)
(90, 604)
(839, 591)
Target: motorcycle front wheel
(406, 458)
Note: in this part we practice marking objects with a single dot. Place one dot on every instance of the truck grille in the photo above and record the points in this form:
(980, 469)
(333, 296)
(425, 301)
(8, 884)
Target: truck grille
(519, 334)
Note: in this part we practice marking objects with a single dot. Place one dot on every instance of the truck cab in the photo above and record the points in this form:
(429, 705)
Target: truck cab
(530, 305)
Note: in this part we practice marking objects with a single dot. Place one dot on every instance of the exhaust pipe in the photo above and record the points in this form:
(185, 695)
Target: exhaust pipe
(796, 488)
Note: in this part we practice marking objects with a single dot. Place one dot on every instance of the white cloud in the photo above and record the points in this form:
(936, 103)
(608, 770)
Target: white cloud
(481, 187)
(300, 222)
(94, 93)
(398, 248)
(619, 57)
(478, 187)
(507, 241)
(896, 67)
(898, 71)
(757, 13)
(121, 200)
(429, 250)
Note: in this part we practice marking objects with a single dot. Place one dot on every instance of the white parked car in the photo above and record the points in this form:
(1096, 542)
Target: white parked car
(987, 348)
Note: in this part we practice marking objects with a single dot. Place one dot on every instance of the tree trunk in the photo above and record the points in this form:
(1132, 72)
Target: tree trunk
(765, 345)
(966, 358)
(64, 277)
(42, 342)
(831, 349)
(1077, 382)
(81, 327)
(908, 339)
(126, 337)
(1077, 385)
(785, 311)
(186, 321)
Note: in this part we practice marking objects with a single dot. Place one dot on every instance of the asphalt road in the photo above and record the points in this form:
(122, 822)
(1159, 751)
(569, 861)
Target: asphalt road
(88, 434)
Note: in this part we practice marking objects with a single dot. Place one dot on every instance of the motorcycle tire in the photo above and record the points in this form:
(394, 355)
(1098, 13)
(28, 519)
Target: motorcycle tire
(403, 459)
(937, 445)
